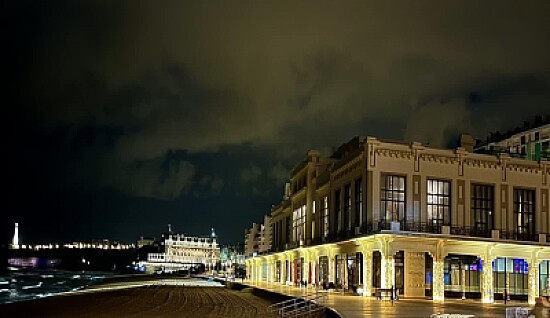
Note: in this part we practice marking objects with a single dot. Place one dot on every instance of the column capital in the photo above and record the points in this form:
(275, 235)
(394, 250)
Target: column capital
(385, 245)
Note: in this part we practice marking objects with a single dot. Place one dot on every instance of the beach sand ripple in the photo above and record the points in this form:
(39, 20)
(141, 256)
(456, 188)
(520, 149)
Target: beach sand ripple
(146, 301)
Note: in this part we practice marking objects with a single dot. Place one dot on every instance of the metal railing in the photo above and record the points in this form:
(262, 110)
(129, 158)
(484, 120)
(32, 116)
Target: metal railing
(296, 307)
(370, 228)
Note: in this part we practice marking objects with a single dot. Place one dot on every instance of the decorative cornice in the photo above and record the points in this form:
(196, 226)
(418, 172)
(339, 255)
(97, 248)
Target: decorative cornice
(481, 163)
(439, 158)
(523, 168)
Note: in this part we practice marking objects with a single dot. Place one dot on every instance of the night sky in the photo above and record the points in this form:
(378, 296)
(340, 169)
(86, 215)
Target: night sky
(122, 117)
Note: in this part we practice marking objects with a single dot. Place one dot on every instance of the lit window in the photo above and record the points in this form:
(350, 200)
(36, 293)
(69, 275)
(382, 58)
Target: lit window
(482, 207)
(524, 211)
(439, 203)
(392, 198)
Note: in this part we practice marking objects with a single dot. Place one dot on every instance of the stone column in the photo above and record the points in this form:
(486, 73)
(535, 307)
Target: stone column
(367, 272)
(533, 281)
(387, 274)
(269, 271)
(438, 284)
(306, 269)
(258, 271)
(251, 270)
(415, 274)
(315, 275)
(463, 280)
(283, 271)
(487, 292)
(273, 271)
(248, 269)
(331, 267)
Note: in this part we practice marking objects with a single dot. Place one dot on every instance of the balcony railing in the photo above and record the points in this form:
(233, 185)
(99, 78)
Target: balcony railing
(519, 236)
(371, 228)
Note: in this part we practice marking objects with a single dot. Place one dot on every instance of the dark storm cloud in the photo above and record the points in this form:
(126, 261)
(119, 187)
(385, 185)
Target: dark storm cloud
(197, 76)
(175, 99)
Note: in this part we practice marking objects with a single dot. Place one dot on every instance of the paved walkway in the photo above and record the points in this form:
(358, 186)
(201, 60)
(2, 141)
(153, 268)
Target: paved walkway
(355, 306)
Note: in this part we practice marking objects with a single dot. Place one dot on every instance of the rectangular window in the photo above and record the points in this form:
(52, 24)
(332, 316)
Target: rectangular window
(358, 202)
(299, 222)
(347, 207)
(392, 198)
(288, 230)
(439, 204)
(325, 216)
(482, 207)
(524, 213)
(313, 218)
(337, 210)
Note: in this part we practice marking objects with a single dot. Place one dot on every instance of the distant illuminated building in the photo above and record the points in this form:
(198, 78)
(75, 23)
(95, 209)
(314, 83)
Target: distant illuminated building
(15, 241)
(183, 252)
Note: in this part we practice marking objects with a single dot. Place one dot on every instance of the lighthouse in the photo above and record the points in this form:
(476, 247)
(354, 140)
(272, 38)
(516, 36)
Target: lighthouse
(15, 242)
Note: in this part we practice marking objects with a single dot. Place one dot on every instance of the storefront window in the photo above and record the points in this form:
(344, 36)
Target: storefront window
(510, 275)
(462, 274)
(544, 278)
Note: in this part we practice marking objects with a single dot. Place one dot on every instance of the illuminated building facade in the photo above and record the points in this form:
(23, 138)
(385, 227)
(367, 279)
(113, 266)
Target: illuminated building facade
(182, 252)
(258, 239)
(431, 222)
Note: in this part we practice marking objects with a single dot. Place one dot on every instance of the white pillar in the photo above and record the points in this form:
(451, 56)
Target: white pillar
(284, 269)
(367, 273)
(438, 284)
(387, 274)
(487, 292)
(331, 268)
(533, 281)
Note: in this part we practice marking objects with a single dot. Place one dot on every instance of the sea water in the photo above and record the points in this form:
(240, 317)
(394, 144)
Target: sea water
(19, 284)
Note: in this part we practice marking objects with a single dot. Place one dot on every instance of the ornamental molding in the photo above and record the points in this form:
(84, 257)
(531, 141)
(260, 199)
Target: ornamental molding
(393, 153)
(439, 158)
(523, 168)
(481, 163)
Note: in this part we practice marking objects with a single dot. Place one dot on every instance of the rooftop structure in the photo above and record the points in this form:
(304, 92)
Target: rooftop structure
(530, 141)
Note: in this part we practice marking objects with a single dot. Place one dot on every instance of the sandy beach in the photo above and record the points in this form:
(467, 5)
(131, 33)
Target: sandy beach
(145, 301)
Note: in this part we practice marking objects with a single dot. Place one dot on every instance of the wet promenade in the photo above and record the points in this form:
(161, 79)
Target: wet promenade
(349, 306)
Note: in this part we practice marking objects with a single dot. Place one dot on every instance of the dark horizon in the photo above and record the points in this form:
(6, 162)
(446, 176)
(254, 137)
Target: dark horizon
(123, 117)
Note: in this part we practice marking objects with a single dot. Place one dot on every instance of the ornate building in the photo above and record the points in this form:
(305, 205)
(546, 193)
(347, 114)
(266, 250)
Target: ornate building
(431, 222)
(183, 252)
